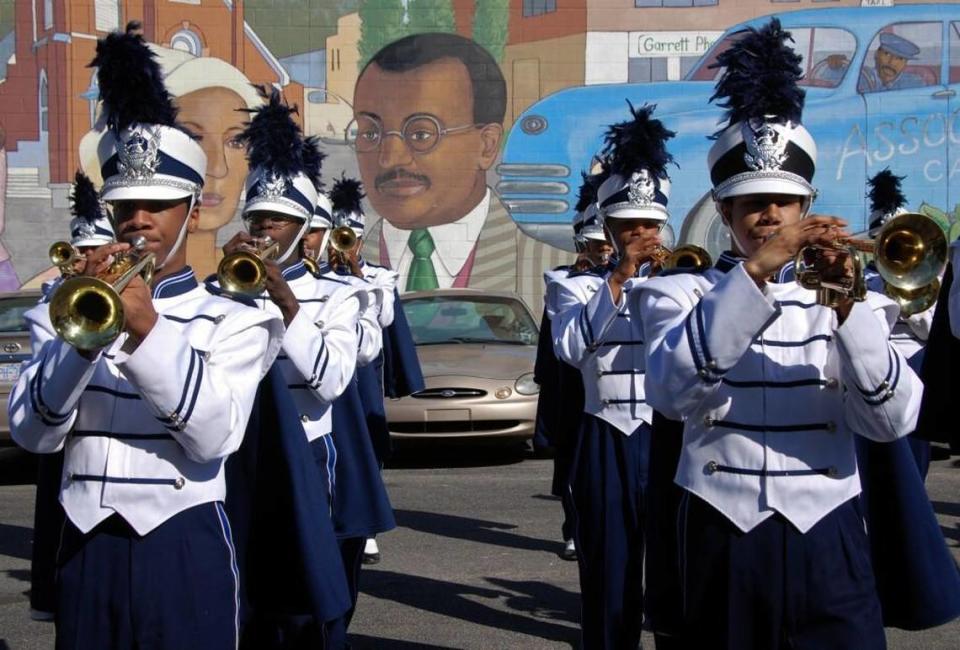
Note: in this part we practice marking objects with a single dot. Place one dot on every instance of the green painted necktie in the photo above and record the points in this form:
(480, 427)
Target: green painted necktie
(422, 276)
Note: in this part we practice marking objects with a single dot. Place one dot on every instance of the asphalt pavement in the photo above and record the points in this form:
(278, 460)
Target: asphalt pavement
(472, 564)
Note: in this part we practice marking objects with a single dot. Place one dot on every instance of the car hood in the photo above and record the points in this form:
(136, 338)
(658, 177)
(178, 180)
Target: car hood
(476, 360)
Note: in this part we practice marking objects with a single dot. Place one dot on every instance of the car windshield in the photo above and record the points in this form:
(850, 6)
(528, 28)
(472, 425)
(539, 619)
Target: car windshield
(468, 319)
(826, 51)
(12, 311)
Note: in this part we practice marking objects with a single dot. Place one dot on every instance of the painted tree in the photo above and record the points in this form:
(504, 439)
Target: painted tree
(381, 22)
(430, 16)
(490, 24)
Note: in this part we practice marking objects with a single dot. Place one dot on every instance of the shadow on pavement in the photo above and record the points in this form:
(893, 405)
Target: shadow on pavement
(946, 508)
(15, 541)
(460, 602)
(541, 600)
(424, 455)
(474, 530)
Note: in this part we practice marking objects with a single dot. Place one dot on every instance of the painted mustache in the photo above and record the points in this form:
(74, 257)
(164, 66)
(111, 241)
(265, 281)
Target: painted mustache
(399, 175)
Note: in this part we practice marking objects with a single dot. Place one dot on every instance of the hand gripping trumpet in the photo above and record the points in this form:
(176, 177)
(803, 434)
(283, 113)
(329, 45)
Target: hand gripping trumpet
(910, 253)
(243, 272)
(86, 311)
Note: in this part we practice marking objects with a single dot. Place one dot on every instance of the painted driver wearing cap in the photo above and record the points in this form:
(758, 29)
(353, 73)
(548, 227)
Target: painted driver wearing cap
(890, 62)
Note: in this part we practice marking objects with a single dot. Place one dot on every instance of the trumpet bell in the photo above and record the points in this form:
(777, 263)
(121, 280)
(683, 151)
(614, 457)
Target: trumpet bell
(911, 252)
(689, 256)
(242, 273)
(87, 312)
(343, 239)
(914, 301)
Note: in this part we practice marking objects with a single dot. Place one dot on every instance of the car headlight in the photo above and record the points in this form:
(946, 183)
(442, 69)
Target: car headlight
(526, 385)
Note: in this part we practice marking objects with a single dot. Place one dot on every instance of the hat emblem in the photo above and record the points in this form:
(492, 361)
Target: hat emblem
(766, 150)
(274, 185)
(138, 156)
(642, 189)
(86, 230)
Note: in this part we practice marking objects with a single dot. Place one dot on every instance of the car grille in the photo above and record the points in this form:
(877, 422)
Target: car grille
(455, 426)
(448, 393)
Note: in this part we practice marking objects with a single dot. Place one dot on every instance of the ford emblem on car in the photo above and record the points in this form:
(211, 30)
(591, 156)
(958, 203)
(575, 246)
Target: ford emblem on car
(448, 393)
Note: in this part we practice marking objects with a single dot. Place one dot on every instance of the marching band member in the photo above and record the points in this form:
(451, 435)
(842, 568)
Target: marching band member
(146, 556)
(917, 590)
(560, 401)
(595, 333)
(772, 388)
(90, 228)
(361, 508)
(319, 353)
(910, 332)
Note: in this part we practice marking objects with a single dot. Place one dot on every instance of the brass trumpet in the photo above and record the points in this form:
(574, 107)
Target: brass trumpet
(243, 272)
(688, 256)
(910, 253)
(86, 311)
(342, 240)
(64, 256)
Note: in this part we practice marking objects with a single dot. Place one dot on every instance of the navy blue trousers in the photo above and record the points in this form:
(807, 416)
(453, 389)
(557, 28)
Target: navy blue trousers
(608, 481)
(775, 588)
(351, 550)
(175, 588)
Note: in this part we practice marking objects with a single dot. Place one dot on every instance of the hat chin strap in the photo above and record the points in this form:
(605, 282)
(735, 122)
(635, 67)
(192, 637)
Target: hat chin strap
(293, 245)
(181, 235)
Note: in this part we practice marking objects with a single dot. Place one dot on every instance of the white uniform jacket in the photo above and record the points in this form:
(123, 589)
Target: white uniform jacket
(386, 280)
(909, 333)
(771, 390)
(319, 355)
(369, 333)
(603, 341)
(146, 433)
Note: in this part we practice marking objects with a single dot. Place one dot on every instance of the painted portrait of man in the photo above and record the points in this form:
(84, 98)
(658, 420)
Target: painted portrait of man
(428, 114)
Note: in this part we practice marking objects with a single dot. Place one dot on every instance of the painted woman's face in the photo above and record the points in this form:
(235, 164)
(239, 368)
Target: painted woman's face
(212, 114)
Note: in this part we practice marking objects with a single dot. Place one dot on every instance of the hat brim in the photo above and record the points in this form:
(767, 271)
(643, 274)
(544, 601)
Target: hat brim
(765, 186)
(635, 213)
(91, 241)
(144, 193)
(270, 205)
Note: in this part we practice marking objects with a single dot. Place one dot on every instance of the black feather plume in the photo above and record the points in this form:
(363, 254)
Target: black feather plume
(85, 200)
(885, 194)
(346, 194)
(587, 194)
(639, 143)
(760, 77)
(131, 82)
(274, 140)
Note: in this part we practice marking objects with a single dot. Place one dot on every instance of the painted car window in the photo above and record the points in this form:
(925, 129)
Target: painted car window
(903, 56)
(954, 52)
(469, 320)
(826, 52)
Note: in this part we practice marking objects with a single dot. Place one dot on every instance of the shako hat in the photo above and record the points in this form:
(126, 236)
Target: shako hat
(636, 157)
(764, 149)
(144, 154)
(886, 199)
(346, 196)
(91, 224)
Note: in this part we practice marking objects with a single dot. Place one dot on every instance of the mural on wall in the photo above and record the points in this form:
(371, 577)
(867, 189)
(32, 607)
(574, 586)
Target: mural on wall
(469, 121)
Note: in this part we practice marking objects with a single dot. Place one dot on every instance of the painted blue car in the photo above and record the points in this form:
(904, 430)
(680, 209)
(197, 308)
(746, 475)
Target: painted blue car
(905, 116)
